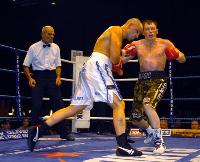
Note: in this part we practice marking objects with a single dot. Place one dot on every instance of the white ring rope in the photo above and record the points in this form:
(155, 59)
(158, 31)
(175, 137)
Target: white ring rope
(68, 61)
(47, 99)
(128, 79)
(67, 99)
(69, 80)
(128, 99)
(133, 61)
(94, 118)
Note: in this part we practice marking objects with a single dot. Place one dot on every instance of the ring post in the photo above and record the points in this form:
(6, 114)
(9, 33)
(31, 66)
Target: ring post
(171, 93)
(18, 99)
(82, 120)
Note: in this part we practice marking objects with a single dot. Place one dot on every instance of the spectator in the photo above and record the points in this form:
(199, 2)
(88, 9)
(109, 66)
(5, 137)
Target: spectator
(164, 124)
(177, 124)
(5, 125)
(25, 124)
(194, 124)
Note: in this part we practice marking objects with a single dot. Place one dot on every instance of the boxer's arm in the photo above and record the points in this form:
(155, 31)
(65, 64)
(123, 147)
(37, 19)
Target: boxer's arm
(117, 68)
(181, 58)
(172, 53)
(115, 46)
(115, 51)
(129, 52)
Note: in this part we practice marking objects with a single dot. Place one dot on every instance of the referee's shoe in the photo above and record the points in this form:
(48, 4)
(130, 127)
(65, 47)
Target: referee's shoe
(34, 133)
(33, 136)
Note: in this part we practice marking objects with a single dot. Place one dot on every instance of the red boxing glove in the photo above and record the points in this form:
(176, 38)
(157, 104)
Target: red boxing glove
(116, 68)
(171, 53)
(129, 50)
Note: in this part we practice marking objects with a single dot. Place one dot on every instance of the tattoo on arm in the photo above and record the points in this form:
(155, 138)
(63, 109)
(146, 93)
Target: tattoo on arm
(120, 122)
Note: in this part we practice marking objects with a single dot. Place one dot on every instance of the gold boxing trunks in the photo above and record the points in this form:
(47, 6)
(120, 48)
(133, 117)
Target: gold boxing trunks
(149, 90)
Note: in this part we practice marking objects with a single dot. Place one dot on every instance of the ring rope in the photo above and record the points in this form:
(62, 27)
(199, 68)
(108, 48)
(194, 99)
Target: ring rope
(12, 48)
(67, 99)
(128, 79)
(197, 56)
(7, 70)
(132, 61)
(24, 97)
(68, 61)
(102, 118)
(187, 77)
(70, 80)
(180, 118)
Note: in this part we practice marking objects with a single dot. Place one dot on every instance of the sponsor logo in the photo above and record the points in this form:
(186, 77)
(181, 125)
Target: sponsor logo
(162, 91)
(13, 134)
(146, 75)
(135, 132)
(79, 116)
(136, 115)
(166, 132)
(77, 98)
(130, 152)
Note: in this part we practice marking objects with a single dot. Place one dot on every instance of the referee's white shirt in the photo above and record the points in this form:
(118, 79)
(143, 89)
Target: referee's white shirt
(41, 58)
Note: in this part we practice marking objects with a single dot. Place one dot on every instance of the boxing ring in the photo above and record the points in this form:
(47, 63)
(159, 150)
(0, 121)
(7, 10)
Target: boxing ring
(89, 147)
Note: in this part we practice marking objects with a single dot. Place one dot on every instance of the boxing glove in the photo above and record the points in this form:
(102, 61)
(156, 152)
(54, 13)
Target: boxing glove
(171, 53)
(129, 50)
(117, 68)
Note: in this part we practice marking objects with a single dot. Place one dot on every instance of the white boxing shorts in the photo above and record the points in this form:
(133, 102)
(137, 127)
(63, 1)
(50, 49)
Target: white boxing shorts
(96, 82)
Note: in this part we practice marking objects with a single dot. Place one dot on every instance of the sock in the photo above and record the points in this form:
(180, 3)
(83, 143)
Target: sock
(158, 135)
(122, 140)
(149, 130)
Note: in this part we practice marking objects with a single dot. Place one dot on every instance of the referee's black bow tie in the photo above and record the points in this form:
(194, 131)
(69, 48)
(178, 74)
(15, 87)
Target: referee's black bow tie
(46, 45)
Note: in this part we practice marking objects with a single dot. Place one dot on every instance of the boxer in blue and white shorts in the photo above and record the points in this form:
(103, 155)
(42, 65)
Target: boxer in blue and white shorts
(96, 83)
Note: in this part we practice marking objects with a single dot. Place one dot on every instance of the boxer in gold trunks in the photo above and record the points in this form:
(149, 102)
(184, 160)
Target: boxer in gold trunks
(152, 53)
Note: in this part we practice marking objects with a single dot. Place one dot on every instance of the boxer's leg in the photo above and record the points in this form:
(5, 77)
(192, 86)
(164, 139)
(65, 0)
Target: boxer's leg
(124, 148)
(36, 132)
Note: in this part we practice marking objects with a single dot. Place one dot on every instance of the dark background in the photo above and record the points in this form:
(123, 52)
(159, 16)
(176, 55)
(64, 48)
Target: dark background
(78, 24)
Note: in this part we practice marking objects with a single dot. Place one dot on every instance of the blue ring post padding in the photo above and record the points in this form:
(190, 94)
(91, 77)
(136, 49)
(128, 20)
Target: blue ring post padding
(18, 98)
